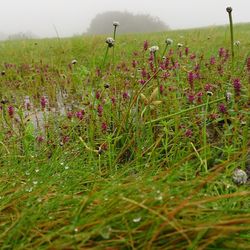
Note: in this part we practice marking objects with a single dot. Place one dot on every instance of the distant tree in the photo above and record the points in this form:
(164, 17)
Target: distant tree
(130, 23)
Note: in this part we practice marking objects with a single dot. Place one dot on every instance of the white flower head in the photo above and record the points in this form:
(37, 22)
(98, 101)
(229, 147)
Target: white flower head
(153, 49)
(169, 41)
(116, 24)
(74, 61)
(228, 96)
(237, 43)
(179, 45)
(110, 41)
(209, 93)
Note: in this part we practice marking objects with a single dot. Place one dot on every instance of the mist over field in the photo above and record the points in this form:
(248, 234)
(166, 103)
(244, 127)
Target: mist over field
(70, 17)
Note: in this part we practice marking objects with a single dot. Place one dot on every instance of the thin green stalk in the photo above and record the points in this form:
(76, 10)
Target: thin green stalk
(105, 56)
(205, 135)
(114, 35)
(229, 10)
(183, 111)
(164, 51)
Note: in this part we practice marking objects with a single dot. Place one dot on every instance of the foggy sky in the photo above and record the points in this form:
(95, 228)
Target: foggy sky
(74, 16)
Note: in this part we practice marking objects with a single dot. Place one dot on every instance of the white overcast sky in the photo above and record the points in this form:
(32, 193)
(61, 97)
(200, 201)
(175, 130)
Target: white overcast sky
(74, 16)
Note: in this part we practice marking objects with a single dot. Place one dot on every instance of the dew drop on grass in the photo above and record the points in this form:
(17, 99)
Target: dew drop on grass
(137, 219)
(159, 198)
(105, 232)
(39, 200)
(29, 190)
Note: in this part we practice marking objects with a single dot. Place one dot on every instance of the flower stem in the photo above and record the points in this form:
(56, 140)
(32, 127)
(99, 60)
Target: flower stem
(205, 135)
(232, 34)
(105, 56)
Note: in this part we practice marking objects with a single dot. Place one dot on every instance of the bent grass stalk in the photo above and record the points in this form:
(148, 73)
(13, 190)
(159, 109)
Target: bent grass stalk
(184, 111)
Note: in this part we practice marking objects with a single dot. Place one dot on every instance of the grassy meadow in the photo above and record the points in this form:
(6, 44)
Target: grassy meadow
(123, 148)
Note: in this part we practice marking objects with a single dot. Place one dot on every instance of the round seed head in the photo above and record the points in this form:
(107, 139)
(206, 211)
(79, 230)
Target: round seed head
(229, 9)
(110, 41)
(209, 93)
(116, 24)
(239, 176)
(169, 41)
(106, 85)
(153, 49)
(237, 43)
(74, 61)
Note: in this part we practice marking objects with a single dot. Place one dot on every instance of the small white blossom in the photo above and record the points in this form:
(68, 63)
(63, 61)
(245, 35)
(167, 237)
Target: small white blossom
(169, 41)
(228, 96)
(153, 49)
(110, 41)
(74, 61)
(116, 24)
(209, 93)
(180, 45)
(237, 43)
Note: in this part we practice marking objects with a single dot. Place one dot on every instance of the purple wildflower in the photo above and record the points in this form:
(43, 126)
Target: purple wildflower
(104, 127)
(191, 77)
(237, 86)
(43, 102)
(188, 133)
(69, 115)
(125, 95)
(39, 138)
(212, 60)
(191, 98)
(11, 111)
(145, 45)
(222, 108)
(100, 110)
(80, 114)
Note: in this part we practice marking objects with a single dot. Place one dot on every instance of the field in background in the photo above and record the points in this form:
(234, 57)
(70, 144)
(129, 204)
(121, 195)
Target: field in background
(137, 151)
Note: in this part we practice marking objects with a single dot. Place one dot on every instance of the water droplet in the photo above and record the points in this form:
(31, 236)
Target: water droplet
(137, 219)
(29, 190)
(105, 232)
(159, 198)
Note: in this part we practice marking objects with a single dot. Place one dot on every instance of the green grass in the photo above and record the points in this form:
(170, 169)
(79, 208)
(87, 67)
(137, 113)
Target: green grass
(158, 176)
